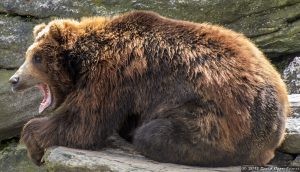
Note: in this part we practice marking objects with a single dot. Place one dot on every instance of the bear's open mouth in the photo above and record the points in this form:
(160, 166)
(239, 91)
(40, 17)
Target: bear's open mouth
(47, 100)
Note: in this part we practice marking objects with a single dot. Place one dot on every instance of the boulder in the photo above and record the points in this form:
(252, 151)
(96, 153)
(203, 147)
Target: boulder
(15, 37)
(296, 162)
(282, 159)
(291, 75)
(274, 30)
(15, 108)
(71, 160)
(294, 100)
(51, 8)
(291, 143)
(13, 158)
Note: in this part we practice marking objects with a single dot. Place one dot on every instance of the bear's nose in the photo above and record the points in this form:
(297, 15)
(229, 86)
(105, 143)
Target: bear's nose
(14, 80)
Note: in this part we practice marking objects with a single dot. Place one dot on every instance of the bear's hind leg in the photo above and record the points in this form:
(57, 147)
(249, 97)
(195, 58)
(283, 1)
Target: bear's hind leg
(169, 140)
(157, 140)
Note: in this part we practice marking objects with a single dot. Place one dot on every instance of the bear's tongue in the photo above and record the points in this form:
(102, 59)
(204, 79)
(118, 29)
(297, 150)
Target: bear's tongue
(47, 97)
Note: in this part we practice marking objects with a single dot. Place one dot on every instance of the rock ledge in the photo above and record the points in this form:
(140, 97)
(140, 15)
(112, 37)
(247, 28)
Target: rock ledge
(70, 160)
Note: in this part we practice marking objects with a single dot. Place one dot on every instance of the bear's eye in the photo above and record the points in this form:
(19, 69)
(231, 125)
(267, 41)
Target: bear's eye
(37, 59)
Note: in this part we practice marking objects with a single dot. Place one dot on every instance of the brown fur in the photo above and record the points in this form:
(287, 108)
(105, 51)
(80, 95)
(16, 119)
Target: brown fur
(182, 92)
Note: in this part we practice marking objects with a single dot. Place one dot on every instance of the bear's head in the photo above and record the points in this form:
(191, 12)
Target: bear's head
(46, 63)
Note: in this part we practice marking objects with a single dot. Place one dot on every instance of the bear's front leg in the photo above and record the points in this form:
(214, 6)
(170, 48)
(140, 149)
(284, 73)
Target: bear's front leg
(38, 135)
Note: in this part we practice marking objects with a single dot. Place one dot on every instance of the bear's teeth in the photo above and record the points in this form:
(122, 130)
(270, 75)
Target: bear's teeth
(46, 102)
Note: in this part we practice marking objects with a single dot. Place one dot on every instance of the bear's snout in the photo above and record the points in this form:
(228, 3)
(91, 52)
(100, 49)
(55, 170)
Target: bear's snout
(14, 80)
(23, 78)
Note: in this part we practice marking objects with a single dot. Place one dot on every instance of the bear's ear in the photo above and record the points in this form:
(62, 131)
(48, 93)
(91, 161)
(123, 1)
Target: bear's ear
(38, 28)
(63, 31)
(55, 31)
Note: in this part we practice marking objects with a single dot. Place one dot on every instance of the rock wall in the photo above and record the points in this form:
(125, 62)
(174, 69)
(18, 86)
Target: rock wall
(15, 109)
(291, 75)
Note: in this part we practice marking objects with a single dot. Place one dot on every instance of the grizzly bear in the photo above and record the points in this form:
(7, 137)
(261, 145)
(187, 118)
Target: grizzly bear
(179, 92)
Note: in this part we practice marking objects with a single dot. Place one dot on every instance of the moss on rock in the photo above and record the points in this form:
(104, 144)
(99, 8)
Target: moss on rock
(13, 158)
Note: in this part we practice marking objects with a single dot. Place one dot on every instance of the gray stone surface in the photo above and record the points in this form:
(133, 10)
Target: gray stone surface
(52, 8)
(296, 162)
(13, 158)
(15, 109)
(291, 143)
(291, 75)
(15, 37)
(282, 159)
(294, 100)
(70, 160)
